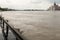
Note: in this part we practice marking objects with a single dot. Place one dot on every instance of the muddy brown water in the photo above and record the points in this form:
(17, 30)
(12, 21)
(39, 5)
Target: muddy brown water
(36, 25)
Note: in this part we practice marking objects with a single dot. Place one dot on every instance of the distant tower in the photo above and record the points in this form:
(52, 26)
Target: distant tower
(55, 6)
(54, 3)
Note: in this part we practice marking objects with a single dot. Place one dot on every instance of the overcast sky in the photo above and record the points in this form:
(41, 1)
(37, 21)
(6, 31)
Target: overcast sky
(27, 4)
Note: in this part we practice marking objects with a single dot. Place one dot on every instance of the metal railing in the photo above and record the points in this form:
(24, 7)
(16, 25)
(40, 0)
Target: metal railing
(5, 25)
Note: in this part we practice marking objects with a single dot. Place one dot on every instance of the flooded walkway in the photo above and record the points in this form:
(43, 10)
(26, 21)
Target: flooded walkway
(1, 35)
(10, 35)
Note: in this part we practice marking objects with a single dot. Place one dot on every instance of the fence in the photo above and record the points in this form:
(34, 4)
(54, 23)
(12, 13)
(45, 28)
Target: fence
(4, 24)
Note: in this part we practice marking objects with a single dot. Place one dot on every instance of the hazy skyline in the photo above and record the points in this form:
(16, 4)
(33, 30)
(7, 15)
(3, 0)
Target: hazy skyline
(27, 4)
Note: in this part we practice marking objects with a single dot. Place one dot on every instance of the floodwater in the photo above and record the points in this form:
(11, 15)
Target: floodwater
(36, 25)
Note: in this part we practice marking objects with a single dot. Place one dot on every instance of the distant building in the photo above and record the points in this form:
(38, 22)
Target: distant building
(54, 7)
(6, 9)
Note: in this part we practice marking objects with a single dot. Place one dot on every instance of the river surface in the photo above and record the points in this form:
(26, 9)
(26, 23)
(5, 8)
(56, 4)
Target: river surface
(36, 25)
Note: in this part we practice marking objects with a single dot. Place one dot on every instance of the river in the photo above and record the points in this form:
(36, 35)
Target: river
(36, 25)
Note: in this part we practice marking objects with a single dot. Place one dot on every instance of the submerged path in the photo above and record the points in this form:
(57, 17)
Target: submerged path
(10, 36)
(1, 35)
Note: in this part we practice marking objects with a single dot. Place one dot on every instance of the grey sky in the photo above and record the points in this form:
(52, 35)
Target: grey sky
(29, 4)
(57, 1)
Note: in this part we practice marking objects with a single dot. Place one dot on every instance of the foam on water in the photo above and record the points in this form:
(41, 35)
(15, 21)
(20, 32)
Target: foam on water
(37, 25)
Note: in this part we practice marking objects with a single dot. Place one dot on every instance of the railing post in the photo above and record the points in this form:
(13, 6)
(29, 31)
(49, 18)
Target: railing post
(3, 23)
(5, 34)
(3, 29)
(7, 30)
(0, 20)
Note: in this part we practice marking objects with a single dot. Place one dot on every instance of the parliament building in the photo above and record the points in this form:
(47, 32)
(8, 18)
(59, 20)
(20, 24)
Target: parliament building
(54, 7)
